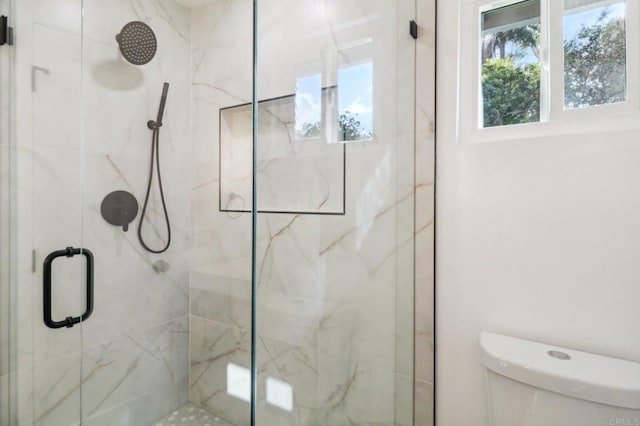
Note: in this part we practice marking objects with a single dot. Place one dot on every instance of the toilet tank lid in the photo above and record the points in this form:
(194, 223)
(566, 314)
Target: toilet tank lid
(584, 376)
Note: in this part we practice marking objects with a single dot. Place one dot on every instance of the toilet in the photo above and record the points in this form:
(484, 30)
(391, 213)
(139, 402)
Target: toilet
(535, 384)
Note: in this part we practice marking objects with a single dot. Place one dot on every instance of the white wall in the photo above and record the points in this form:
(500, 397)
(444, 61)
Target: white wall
(535, 238)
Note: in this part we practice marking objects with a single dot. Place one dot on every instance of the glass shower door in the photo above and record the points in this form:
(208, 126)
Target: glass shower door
(5, 225)
(44, 271)
(334, 272)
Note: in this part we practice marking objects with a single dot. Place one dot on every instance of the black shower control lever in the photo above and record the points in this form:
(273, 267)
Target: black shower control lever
(46, 287)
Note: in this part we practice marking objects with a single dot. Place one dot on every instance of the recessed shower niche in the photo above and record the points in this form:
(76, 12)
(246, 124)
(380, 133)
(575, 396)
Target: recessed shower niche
(301, 163)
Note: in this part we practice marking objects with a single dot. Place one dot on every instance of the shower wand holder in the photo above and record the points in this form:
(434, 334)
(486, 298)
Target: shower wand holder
(154, 125)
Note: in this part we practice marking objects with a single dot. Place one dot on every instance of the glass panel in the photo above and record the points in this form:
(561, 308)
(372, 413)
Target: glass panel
(40, 213)
(511, 64)
(334, 336)
(594, 35)
(7, 67)
(220, 334)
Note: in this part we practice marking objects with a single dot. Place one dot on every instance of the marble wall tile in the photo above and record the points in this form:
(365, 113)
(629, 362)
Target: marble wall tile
(152, 364)
(214, 347)
(55, 88)
(222, 299)
(350, 393)
(295, 369)
(222, 35)
(167, 16)
(56, 391)
(224, 251)
(16, 404)
(64, 15)
(132, 281)
(136, 411)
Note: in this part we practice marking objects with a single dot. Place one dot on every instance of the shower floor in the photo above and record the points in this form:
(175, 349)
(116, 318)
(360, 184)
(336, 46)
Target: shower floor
(191, 415)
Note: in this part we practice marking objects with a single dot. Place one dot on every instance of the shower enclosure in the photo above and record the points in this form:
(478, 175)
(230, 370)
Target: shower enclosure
(297, 178)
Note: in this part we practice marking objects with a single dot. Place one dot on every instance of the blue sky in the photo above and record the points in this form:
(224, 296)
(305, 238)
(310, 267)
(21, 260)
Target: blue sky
(572, 22)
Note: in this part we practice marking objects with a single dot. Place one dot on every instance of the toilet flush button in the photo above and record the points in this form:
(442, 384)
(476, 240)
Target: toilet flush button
(559, 355)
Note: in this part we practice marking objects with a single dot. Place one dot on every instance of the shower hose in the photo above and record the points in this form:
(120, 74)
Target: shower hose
(155, 157)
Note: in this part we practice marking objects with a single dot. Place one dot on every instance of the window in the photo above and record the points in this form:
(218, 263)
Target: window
(542, 61)
(595, 57)
(511, 64)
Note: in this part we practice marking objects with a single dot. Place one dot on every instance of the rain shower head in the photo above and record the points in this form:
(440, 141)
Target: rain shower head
(138, 43)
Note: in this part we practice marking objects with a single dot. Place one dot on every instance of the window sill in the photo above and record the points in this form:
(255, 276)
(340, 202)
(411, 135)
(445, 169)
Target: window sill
(585, 124)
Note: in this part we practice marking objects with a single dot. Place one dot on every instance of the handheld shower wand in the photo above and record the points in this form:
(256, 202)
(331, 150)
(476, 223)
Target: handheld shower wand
(154, 126)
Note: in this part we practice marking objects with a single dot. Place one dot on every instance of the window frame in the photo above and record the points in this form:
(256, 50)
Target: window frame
(554, 118)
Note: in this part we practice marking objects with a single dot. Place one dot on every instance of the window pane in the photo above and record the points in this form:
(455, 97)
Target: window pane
(594, 53)
(355, 102)
(511, 64)
(308, 109)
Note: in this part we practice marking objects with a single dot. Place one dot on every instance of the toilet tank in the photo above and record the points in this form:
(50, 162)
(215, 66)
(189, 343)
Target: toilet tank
(534, 384)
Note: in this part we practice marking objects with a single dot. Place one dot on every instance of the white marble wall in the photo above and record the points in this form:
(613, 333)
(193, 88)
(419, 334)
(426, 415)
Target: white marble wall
(82, 134)
(335, 302)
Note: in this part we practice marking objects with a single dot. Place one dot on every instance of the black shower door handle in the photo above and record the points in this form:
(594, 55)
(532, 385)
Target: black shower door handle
(46, 279)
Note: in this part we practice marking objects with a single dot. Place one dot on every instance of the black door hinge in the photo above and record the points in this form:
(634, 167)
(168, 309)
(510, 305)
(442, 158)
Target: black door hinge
(413, 29)
(6, 32)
